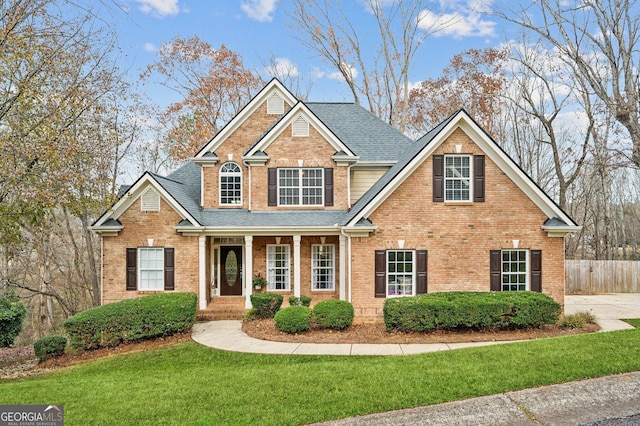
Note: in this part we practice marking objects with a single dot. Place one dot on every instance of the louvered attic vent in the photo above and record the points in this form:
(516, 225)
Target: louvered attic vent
(150, 201)
(300, 127)
(275, 105)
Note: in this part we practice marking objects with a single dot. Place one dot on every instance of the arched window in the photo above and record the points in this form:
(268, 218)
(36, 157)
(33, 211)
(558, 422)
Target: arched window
(230, 184)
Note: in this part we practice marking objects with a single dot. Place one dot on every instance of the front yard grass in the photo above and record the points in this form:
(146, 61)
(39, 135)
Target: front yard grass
(192, 384)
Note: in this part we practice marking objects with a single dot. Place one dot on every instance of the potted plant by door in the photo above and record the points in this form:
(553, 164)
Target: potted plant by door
(259, 281)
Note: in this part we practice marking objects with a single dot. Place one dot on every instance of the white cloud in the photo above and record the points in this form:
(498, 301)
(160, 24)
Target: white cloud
(150, 47)
(282, 67)
(259, 10)
(349, 69)
(158, 7)
(459, 19)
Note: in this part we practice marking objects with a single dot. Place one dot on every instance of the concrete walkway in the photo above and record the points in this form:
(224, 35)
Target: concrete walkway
(228, 335)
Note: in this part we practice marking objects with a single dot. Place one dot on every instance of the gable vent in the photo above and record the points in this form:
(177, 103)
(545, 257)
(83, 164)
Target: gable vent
(300, 127)
(275, 104)
(150, 201)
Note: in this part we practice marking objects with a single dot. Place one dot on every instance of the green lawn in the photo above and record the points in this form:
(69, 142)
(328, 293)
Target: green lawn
(191, 384)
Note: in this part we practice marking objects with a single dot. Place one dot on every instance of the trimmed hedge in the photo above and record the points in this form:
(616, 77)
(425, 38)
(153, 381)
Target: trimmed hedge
(12, 314)
(293, 319)
(266, 304)
(49, 347)
(132, 320)
(475, 310)
(334, 314)
(300, 301)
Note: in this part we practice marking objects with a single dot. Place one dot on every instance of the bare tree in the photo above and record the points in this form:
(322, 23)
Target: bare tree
(600, 38)
(382, 83)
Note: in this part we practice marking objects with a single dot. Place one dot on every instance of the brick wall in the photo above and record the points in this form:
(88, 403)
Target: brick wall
(138, 227)
(458, 237)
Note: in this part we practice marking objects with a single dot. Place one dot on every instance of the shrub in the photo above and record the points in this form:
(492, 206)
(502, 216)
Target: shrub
(249, 315)
(12, 314)
(577, 320)
(300, 301)
(293, 319)
(49, 347)
(335, 314)
(132, 320)
(266, 304)
(476, 310)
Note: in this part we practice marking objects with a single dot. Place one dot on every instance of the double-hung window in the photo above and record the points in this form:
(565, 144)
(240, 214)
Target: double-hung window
(323, 266)
(514, 270)
(457, 178)
(400, 273)
(151, 268)
(301, 187)
(230, 184)
(278, 267)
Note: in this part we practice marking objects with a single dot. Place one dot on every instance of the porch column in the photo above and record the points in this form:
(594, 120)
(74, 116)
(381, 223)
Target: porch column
(343, 267)
(296, 265)
(202, 269)
(248, 269)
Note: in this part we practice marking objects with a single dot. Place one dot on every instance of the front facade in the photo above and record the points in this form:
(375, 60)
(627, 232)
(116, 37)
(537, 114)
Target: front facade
(325, 200)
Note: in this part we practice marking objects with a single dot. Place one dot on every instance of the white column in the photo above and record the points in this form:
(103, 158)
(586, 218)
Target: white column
(202, 268)
(248, 269)
(296, 265)
(343, 267)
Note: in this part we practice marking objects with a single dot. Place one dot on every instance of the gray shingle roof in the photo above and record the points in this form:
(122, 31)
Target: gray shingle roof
(366, 135)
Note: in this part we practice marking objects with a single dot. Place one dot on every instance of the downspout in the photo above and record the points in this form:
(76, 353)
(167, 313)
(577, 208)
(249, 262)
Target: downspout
(348, 237)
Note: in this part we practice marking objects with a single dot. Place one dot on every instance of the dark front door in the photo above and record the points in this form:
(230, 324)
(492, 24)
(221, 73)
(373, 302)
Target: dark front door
(231, 271)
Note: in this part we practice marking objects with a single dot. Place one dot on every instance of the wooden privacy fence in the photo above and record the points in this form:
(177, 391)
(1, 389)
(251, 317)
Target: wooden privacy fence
(602, 276)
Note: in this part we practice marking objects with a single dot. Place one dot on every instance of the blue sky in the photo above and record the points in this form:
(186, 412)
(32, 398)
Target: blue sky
(259, 29)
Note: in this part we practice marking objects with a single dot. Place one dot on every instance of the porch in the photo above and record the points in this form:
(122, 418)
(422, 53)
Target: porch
(293, 265)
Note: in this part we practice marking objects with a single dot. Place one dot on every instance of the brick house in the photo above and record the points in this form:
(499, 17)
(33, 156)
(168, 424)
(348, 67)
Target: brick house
(326, 200)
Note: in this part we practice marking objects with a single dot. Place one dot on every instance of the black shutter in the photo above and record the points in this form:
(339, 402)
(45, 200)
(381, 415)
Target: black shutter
(421, 272)
(438, 178)
(381, 273)
(495, 265)
(272, 184)
(169, 269)
(536, 270)
(132, 267)
(328, 187)
(478, 178)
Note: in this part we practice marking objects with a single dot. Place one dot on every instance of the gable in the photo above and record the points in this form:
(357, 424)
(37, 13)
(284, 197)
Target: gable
(274, 96)
(147, 193)
(425, 149)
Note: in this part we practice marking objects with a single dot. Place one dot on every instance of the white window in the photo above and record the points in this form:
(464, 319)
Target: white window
(301, 187)
(275, 105)
(150, 201)
(457, 178)
(151, 268)
(230, 184)
(278, 267)
(323, 266)
(300, 127)
(514, 270)
(400, 273)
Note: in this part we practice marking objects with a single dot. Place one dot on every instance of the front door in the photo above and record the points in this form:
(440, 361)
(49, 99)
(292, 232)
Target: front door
(231, 271)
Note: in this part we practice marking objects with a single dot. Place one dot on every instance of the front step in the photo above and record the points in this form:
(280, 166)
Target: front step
(223, 308)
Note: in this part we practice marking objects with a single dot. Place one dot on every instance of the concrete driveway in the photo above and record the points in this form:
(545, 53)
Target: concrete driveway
(609, 309)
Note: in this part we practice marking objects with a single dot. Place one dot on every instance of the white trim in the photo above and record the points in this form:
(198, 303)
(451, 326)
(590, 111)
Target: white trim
(300, 110)
(139, 268)
(413, 272)
(488, 146)
(469, 157)
(527, 272)
(271, 287)
(333, 267)
(343, 267)
(227, 174)
(272, 87)
(300, 186)
(248, 270)
(296, 265)
(134, 193)
(202, 272)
